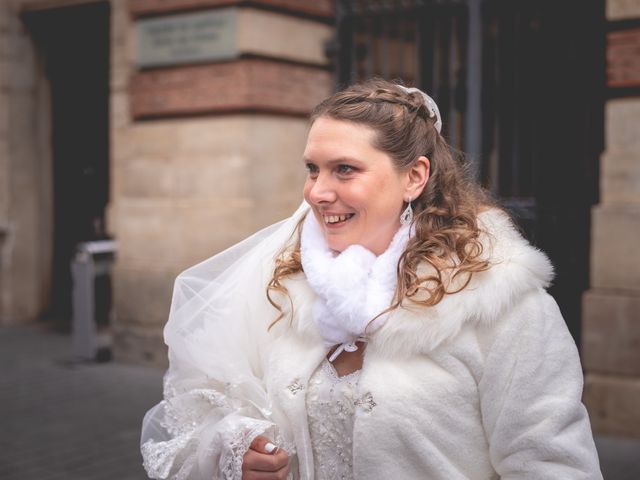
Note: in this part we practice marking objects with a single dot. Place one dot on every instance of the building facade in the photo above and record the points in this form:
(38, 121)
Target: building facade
(611, 314)
(176, 128)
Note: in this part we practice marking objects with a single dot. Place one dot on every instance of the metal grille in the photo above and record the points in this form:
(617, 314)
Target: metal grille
(484, 62)
(511, 107)
(422, 43)
(520, 85)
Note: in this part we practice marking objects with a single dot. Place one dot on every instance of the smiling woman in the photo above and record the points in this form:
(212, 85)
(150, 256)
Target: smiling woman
(396, 326)
(353, 188)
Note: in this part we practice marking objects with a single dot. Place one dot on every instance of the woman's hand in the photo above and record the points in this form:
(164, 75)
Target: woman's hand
(265, 461)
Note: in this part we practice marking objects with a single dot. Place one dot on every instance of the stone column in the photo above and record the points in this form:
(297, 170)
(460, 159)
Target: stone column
(611, 308)
(25, 172)
(4, 156)
(205, 153)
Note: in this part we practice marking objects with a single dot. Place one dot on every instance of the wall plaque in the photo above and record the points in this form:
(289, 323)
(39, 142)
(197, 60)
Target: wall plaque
(186, 38)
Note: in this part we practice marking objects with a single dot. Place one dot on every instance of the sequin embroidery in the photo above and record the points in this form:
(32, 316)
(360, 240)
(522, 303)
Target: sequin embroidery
(331, 404)
(295, 387)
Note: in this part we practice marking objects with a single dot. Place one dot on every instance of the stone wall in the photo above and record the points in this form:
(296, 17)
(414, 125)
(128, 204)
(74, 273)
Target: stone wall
(186, 181)
(4, 157)
(622, 9)
(198, 163)
(25, 173)
(611, 318)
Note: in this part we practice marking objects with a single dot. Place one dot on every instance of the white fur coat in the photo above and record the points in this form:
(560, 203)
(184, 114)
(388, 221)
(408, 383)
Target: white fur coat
(485, 385)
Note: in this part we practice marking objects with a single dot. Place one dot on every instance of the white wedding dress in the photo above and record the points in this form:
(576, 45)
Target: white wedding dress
(331, 403)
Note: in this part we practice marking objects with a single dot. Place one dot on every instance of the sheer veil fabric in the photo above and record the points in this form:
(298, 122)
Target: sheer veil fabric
(215, 401)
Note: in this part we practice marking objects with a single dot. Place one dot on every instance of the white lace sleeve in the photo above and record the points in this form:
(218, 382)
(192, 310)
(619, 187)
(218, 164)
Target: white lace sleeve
(215, 402)
(193, 443)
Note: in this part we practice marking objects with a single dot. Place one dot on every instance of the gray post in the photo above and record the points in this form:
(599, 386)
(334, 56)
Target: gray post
(473, 135)
(85, 335)
(92, 259)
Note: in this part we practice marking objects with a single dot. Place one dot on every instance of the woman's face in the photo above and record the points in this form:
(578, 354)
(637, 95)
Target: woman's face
(354, 189)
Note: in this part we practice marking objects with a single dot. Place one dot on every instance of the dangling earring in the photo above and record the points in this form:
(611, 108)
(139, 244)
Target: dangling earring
(407, 215)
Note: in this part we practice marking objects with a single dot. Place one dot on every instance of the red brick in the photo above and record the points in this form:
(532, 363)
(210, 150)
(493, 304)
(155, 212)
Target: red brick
(251, 85)
(315, 8)
(623, 58)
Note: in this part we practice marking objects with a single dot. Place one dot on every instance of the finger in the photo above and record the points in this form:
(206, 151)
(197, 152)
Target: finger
(263, 444)
(281, 458)
(256, 475)
(264, 462)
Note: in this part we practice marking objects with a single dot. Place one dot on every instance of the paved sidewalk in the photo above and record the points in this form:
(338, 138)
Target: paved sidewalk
(61, 420)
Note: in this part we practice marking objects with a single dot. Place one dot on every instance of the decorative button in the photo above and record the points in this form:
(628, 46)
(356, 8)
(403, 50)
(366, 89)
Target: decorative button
(295, 387)
(366, 402)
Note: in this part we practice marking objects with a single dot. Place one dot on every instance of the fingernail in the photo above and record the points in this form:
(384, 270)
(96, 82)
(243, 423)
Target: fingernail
(270, 447)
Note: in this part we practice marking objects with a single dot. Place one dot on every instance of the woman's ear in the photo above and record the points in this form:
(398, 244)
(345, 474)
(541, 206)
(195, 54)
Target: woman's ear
(417, 176)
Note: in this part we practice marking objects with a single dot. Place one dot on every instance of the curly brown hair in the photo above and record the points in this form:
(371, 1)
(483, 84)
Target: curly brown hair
(447, 235)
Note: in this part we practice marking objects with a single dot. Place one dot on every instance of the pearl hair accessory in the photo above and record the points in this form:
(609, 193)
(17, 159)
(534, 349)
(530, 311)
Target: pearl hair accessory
(434, 111)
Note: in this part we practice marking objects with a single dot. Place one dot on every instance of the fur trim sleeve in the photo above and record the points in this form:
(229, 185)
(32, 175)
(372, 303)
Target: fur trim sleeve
(530, 397)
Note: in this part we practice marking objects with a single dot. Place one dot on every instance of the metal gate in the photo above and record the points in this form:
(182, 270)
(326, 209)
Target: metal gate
(520, 84)
(424, 44)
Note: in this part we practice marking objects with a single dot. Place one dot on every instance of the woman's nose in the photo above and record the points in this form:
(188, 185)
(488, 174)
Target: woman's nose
(322, 190)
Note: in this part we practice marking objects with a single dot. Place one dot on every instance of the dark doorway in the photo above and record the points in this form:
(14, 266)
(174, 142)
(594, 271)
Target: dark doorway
(538, 76)
(73, 43)
(543, 128)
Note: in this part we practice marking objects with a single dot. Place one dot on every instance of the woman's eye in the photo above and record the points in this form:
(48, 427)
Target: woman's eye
(312, 169)
(345, 169)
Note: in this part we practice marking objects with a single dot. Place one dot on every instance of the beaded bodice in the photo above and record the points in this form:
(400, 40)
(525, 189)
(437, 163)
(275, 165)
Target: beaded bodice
(331, 403)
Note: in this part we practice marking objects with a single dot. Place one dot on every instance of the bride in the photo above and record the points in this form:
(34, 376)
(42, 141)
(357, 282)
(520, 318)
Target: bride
(395, 326)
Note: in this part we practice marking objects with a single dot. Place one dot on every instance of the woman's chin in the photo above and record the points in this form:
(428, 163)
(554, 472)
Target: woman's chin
(336, 238)
(336, 248)
(337, 244)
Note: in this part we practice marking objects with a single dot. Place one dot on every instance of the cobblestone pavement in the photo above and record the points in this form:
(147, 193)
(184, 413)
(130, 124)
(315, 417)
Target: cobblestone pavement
(63, 420)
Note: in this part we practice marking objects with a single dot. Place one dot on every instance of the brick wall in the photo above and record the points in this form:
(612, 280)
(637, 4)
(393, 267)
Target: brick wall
(317, 8)
(251, 85)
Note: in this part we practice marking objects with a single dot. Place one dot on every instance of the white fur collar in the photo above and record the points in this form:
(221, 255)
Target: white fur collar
(517, 268)
(352, 287)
